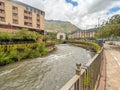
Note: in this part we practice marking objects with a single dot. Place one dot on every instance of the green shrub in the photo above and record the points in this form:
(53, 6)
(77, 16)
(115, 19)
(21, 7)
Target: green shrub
(13, 53)
(4, 58)
(34, 54)
(47, 44)
(92, 45)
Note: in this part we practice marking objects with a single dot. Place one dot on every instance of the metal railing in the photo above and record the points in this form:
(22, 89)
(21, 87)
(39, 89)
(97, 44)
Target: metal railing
(86, 77)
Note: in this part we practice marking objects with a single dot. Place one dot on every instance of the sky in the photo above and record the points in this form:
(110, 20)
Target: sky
(83, 13)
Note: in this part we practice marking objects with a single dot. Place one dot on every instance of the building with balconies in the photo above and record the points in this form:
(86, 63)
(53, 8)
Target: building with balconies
(81, 34)
(17, 15)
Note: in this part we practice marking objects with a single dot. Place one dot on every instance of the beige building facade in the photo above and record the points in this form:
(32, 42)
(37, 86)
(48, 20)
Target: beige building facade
(81, 34)
(15, 14)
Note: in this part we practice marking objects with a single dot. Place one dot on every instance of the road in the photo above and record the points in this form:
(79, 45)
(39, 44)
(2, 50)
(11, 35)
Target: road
(112, 54)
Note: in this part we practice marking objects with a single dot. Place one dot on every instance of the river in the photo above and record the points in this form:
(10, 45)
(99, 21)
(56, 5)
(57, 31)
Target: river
(45, 73)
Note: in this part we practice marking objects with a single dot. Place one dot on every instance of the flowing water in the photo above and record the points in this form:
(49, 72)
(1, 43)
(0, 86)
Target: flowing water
(45, 73)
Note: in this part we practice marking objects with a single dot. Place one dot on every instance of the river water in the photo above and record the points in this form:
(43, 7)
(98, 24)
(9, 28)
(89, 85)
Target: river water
(45, 73)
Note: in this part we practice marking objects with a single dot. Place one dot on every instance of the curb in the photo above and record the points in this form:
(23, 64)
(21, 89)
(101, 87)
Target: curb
(102, 81)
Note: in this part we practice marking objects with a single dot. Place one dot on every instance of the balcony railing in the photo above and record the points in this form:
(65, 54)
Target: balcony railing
(2, 7)
(30, 25)
(15, 17)
(15, 11)
(27, 20)
(38, 23)
(28, 15)
(2, 15)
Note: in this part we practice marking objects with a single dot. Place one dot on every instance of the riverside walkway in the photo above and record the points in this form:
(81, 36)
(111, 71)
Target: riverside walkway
(112, 53)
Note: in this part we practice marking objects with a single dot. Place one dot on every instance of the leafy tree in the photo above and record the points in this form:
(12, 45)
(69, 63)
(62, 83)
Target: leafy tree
(110, 29)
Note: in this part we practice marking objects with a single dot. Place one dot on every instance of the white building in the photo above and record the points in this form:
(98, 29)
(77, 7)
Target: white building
(61, 36)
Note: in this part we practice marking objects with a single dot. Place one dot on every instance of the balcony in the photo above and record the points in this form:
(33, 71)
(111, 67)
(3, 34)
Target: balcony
(27, 20)
(28, 24)
(28, 15)
(15, 17)
(15, 11)
(2, 15)
(2, 8)
(15, 21)
(38, 25)
(38, 22)
(38, 16)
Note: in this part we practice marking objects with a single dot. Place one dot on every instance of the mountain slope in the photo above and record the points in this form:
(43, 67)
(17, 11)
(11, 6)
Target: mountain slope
(59, 26)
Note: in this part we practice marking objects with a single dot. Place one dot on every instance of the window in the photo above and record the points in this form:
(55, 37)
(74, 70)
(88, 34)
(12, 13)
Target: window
(26, 17)
(25, 11)
(38, 15)
(30, 18)
(38, 20)
(2, 4)
(30, 13)
(61, 36)
(30, 9)
(42, 13)
(2, 11)
(15, 14)
(34, 10)
(38, 26)
(2, 19)
(14, 8)
(15, 21)
(27, 23)
(37, 12)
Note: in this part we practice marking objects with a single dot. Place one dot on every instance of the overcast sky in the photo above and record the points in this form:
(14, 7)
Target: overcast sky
(82, 13)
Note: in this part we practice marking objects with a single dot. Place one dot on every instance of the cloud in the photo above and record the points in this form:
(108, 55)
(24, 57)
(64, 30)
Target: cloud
(84, 14)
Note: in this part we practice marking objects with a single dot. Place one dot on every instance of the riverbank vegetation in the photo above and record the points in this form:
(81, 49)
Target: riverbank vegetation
(13, 53)
(21, 45)
(88, 45)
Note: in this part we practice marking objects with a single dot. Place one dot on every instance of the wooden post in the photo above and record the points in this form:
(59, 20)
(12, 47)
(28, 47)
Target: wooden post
(78, 72)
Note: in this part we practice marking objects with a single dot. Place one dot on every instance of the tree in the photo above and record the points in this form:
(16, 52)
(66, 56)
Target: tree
(110, 29)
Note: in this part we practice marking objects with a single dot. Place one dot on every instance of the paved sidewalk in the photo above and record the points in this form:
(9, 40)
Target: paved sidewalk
(112, 54)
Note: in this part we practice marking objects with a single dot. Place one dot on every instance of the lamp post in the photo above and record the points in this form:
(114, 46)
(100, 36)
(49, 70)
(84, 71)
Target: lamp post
(101, 40)
(103, 24)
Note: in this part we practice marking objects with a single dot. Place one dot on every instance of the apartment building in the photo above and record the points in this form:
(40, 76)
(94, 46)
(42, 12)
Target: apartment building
(81, 34)
(17, 15)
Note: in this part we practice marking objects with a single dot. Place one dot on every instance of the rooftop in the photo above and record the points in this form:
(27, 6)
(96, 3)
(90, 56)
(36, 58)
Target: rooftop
(21, 3)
